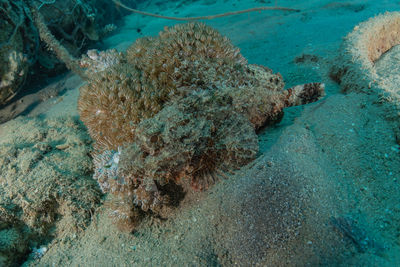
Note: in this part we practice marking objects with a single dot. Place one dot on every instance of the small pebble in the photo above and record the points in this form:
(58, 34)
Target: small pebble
(62, 147)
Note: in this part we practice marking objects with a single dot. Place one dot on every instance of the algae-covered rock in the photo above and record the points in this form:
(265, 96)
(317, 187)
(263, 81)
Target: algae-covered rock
(13, 246)
(44, 193)
(77, 23)
(19, 43)
(356, 67)
(152, 72)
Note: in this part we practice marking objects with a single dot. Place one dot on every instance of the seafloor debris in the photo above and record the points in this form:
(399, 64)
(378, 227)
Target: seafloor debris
(77, 23)
(173, 113)
(19, 44)
(37, 253)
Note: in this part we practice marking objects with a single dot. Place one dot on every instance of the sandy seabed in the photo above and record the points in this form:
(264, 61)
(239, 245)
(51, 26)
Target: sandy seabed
(324, 189)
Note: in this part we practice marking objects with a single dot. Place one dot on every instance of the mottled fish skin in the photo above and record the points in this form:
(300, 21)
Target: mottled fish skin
(303, 94)
(181, 108)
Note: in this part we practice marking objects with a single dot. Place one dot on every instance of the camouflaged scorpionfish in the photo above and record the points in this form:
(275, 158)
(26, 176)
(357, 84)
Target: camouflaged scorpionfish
(175, 112)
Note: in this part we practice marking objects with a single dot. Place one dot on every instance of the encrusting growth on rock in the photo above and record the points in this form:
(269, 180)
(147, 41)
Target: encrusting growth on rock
(175, 112)
(152, 72)
(53, 44)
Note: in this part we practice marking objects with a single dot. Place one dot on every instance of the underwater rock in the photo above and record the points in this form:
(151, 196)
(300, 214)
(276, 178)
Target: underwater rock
(77, 23)
(18, 47)
(13, 243)
(44, 194)
(355, 67)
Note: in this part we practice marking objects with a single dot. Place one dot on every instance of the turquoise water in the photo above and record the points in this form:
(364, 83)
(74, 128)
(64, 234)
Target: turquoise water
(168, 153)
